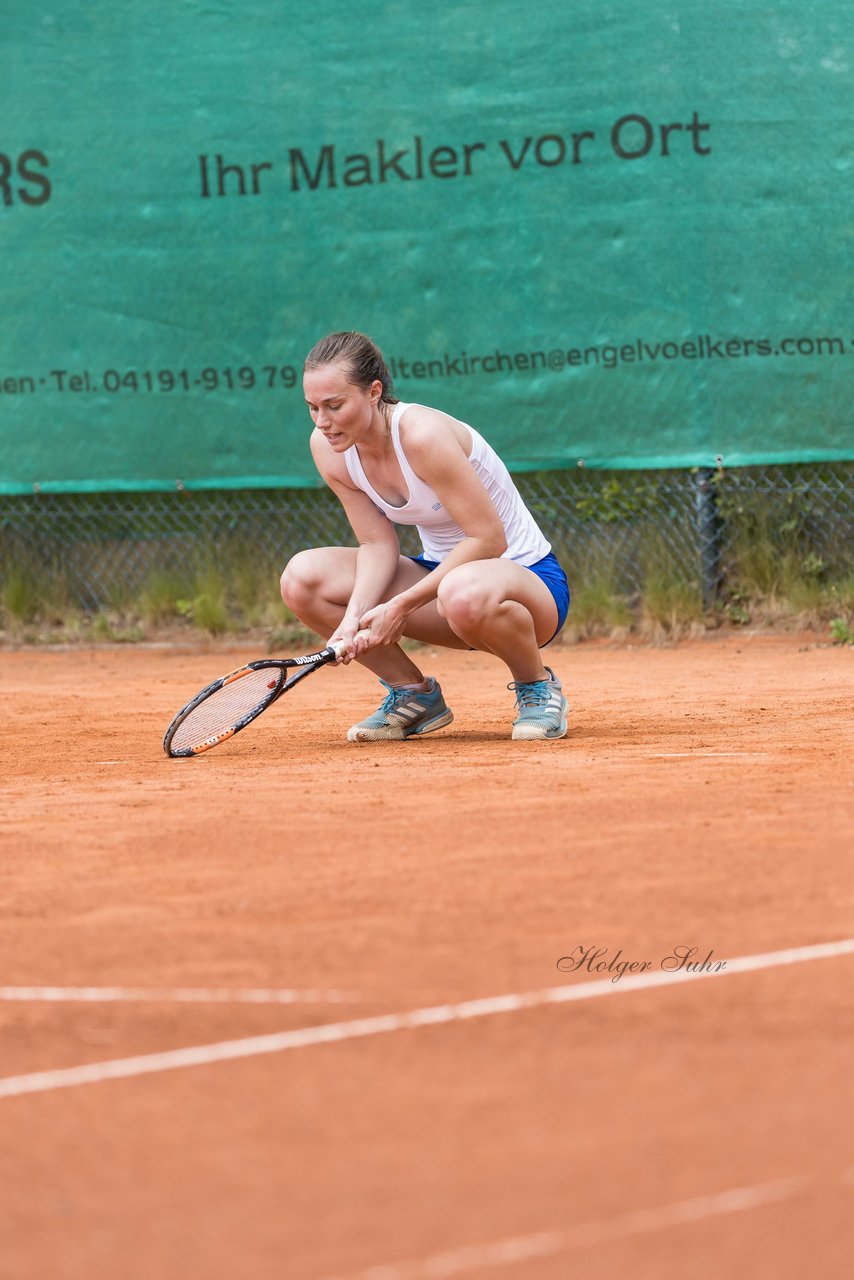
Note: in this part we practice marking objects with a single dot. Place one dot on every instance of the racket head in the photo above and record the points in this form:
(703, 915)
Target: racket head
(223, 708)
(229, 704)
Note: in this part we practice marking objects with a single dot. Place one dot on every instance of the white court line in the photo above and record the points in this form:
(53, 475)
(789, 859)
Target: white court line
(498, 1253)
(359, 1028)
(181, 995)
(549, 1243)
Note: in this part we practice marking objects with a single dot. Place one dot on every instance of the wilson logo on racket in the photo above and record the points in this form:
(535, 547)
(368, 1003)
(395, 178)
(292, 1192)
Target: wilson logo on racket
(229, 704)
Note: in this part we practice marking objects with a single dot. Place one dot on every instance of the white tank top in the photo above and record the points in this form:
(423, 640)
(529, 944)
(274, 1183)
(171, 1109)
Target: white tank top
(438, 532)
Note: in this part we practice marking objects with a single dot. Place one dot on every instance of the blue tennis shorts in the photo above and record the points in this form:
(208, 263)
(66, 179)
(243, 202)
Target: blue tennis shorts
(548, 569)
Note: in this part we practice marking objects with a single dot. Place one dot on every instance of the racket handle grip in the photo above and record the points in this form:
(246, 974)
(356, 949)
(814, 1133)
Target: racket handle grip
(338, 648)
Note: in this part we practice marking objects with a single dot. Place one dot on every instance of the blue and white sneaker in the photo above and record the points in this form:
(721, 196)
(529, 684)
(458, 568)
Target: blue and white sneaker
(403, 713)
(541, 708)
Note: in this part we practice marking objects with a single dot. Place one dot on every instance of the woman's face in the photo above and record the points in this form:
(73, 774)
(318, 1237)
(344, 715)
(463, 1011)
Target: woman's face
(339, 408)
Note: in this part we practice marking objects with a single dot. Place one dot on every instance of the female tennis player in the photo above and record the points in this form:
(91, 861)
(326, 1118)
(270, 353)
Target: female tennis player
(486, 578)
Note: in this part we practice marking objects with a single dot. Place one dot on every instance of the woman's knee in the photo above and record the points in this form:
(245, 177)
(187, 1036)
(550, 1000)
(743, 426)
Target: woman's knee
(302, 578)
(464, 597)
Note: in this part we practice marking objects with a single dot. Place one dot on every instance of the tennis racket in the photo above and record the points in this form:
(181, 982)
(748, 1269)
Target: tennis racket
(229, 704)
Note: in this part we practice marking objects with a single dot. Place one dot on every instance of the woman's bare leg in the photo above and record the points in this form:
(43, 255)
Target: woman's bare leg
(496, 606)
(502, 608)
(317, 585)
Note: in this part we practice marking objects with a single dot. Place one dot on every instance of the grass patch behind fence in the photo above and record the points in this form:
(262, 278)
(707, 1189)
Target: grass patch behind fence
(215, 597)
(124, 568)
(239, 597)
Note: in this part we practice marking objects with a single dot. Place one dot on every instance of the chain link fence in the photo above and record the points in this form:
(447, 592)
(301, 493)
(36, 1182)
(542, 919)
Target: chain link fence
(701, 528)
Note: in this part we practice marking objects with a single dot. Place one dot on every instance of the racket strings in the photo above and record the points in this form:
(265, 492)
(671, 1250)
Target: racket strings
(227, 707)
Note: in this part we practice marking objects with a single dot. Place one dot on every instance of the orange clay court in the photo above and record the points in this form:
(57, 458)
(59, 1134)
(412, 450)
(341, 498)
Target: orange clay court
(293, 1010)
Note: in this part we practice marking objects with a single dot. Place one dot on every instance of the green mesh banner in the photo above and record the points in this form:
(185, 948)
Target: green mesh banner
(614, 234)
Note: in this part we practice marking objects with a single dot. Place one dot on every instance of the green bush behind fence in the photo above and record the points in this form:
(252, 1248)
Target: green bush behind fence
(712, 534)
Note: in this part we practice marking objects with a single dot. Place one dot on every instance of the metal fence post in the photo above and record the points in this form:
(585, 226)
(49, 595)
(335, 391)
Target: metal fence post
(708, 534)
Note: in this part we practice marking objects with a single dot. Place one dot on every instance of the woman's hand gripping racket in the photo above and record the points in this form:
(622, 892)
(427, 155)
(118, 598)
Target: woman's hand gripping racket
(228, 705)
